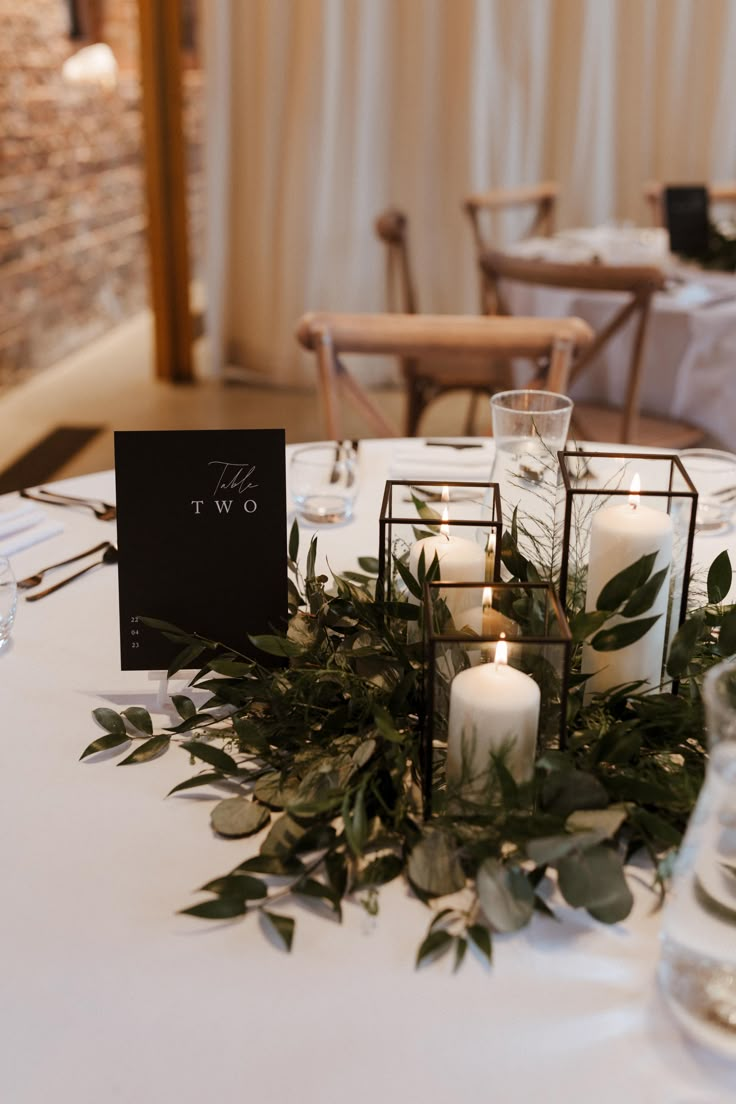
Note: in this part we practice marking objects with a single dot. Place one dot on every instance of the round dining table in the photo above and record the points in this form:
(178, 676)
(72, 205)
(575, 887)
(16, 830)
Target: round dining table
(109, 994)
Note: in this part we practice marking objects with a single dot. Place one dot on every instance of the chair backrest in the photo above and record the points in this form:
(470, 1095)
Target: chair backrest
(482, 206)
(723, 192)
(542, 198)
(392, 228)
(637, 282)
(460, 336)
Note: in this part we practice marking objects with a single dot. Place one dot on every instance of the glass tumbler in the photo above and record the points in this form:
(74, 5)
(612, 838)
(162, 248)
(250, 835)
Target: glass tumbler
(697, 967)
(323, 482)
(530, 428)
(8, 598)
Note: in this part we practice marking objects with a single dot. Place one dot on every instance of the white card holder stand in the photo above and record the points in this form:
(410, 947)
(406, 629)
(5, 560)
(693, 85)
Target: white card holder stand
(163, 694)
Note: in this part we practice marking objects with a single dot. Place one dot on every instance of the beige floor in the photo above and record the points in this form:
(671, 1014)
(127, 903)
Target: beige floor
(110, 383)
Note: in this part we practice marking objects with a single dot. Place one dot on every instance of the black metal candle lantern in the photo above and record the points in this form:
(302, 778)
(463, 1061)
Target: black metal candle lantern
(627, 544)
(457, 523)
(496, 686)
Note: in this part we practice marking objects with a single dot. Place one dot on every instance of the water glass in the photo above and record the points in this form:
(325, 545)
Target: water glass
(714, 474)
(8, 598)
(323, 481)
(697, 968)
(530, 428)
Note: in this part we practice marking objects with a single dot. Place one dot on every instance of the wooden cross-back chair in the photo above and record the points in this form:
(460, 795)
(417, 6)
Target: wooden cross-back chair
(552, 342)
(638, 283)
(723, 192)
(425, 381)
(481, 206)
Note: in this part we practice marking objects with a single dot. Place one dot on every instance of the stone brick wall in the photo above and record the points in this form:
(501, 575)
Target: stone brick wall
(72, 205)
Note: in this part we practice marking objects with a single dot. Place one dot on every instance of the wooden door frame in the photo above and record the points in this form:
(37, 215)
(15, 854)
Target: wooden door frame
(166, 187)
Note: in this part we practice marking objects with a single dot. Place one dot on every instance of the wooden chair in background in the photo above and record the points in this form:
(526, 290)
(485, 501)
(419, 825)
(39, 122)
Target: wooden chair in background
(638, 283)
(482, 207)
(724, 192)
(426, 381)
(552, 341)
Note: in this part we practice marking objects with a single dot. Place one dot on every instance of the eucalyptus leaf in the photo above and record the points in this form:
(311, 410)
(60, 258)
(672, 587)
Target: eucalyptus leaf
(211, 754)
(205, 779)
(105, 743)
(276, 645)
(683, 646)
(411, 584)
(595, 881)
(435, 944)
(380, 871)
(623, 634)
(219, 908)
(283, 837)
(238, 816)
(434, 865)
(623, 584)
(110, 720)
(583, 624)
(150, 749)
(727, 635)
(185, 658)
(719, 578)
(369, 564)
(139, 718)
(505, 895)
(282, 925)
(481, 937)
(184, 706)
(644, 596)
(294, 541)
(232, 668)
(240, 886)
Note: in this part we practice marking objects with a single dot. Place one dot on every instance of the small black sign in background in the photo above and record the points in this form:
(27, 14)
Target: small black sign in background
(201, 537)
(686, 215)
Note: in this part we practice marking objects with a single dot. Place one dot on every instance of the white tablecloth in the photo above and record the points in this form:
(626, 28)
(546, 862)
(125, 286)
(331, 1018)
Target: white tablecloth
(689, 354)
(108, 995)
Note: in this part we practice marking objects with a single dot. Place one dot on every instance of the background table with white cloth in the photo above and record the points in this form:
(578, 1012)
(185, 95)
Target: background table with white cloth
(108, 995)
(689, 365)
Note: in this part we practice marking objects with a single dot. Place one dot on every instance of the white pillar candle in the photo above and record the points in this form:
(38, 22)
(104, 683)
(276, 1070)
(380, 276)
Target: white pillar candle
(493, 708)
(619, 536)
(460, 560)
(485, 621)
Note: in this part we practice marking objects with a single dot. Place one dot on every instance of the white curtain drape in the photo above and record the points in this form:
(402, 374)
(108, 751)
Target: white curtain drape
(323, 112)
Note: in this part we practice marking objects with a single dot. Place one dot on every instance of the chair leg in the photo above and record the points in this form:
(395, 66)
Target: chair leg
(469, 427)
(415, 404)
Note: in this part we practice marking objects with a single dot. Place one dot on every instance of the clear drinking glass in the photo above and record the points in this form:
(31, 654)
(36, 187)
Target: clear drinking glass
(323, 481)
(714, 474)
(697, 968)
(530, 428)
(8, 598)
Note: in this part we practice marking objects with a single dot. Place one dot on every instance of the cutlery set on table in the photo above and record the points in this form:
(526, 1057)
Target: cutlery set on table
(103, 511)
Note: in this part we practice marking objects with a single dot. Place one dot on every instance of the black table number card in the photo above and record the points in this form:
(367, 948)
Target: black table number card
(201, 537)
(686, 216)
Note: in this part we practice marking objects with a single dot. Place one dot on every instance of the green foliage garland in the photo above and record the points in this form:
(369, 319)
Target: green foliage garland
(324, 753)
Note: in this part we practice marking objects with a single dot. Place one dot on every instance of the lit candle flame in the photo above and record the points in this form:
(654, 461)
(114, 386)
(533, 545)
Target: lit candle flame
(487, 599)
(445, 526)
(445, 496)
(501, 657)
(634, 492)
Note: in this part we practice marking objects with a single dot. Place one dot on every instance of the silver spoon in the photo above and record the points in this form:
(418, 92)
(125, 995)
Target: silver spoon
(110, 555)
(104, 511)
(35, 580)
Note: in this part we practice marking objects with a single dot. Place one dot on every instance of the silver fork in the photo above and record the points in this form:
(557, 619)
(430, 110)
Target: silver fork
(35, 580)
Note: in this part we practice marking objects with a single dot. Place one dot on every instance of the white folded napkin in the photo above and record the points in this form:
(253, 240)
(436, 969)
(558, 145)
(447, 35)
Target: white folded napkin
(28, 537)
(470, 465)
(19, 517)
